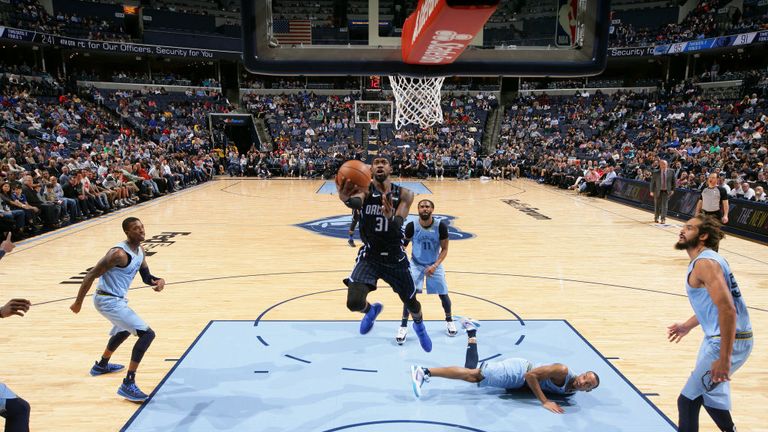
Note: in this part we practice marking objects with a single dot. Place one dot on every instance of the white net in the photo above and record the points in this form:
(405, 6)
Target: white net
(417, 100)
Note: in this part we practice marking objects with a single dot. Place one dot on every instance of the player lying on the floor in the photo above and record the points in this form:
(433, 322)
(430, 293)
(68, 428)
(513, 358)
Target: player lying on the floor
(512, 373)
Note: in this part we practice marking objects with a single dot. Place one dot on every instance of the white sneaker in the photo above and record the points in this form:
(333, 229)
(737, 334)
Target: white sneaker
(467, 323)
(402, 332)
(417, 379)
(450, 328)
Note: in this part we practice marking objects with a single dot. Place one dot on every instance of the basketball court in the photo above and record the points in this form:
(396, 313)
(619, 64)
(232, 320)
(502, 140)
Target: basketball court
(594, 282)
(253, 333)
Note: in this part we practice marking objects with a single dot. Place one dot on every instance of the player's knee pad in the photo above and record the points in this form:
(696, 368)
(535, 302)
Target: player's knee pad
(117, 339)
(145, 340)
(413, 305)
(145, 336)
(17, 410)
(356, 296)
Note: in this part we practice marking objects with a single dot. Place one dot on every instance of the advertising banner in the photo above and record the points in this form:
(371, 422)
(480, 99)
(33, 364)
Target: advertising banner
(112, 47)
(747, 218)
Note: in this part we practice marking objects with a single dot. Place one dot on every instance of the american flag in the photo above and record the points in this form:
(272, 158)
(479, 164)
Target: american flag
(289, 32)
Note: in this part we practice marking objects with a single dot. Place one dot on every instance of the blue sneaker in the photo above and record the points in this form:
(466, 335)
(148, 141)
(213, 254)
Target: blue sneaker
(366, 324)
(467, 323)
(421, 332)
(418, 378)
(131, 392)
(101, 370)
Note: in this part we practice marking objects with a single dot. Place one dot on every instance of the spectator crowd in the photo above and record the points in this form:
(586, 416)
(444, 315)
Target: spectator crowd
(585, 142)
(65, 158)
(708, 19)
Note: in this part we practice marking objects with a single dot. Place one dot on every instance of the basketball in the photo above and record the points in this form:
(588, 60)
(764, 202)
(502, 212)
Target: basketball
(356, 172)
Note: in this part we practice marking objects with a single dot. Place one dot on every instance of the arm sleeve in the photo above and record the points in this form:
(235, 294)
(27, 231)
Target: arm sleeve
(409, 230)
(723, 194)
(146, 276)
(442, 229)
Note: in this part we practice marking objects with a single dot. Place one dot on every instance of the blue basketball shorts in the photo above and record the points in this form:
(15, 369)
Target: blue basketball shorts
(122, 317)
(436, 283)
(716, 395)
(507, 374)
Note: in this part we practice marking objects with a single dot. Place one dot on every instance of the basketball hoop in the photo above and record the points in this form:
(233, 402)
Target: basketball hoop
(417, 100)
(374, 124)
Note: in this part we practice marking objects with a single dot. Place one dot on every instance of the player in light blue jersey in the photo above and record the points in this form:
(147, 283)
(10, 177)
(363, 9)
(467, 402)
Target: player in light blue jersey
(116, 272)
(428, 251)
(720, 310)
(509, 374)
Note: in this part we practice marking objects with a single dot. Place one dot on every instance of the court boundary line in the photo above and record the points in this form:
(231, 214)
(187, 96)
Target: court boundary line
(165, 378)
(615, 369)
(522, 276)
(429, 422)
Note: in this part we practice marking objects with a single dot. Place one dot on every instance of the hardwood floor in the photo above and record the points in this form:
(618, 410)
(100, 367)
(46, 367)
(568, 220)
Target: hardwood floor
(230, 249)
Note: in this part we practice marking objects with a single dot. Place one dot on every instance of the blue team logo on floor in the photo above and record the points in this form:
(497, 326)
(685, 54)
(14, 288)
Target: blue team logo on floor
(338, 226)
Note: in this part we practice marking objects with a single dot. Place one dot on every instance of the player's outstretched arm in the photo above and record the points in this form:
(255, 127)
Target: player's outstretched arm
(15, 307)
(115, 257)
(556, 372)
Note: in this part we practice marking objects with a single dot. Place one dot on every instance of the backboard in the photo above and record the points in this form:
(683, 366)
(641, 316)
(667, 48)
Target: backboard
(363, 37)
(379, 111)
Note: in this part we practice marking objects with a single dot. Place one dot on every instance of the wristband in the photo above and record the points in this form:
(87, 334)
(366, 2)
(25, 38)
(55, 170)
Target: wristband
(354, 203)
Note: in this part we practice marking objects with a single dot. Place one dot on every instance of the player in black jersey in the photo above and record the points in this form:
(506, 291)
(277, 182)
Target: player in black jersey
(383, 209)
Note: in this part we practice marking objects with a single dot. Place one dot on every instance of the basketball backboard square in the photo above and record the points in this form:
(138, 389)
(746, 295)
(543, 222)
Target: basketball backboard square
(566, 38)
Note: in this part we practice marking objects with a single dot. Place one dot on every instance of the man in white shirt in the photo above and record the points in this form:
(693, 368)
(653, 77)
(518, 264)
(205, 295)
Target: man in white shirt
(745, 192)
